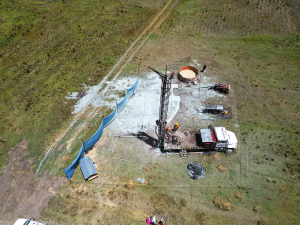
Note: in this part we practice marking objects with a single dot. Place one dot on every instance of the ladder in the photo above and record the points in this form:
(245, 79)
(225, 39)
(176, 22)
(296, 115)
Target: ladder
(182, 153)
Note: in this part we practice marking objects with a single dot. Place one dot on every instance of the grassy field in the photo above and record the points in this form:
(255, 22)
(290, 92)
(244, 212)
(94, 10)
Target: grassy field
(254, 46)
(50, 48)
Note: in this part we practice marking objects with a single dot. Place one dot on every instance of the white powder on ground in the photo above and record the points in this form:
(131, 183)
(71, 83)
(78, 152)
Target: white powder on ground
(142, 180)
(195, 64)
(93, 97)
(72, 96)
(142, 110)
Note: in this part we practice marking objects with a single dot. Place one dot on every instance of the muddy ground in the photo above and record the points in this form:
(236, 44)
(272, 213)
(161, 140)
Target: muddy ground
(21, 196)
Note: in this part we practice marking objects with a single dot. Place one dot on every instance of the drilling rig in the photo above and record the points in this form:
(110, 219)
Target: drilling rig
(164, 103)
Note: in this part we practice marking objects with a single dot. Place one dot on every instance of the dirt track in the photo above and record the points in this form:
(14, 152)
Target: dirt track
(20, 195)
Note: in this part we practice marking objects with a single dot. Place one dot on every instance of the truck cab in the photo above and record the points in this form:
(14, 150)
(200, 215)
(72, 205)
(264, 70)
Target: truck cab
(225, 139)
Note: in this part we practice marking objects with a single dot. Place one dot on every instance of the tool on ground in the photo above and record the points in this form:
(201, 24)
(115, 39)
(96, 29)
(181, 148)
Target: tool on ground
(198, 171)
(215, 109)
(221, 88)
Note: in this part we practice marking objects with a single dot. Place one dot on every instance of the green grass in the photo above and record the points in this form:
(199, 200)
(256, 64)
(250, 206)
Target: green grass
(266, 146)
(49, 50)
(63, 158)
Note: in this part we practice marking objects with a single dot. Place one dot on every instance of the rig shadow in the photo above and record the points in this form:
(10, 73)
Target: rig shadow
(143, 136)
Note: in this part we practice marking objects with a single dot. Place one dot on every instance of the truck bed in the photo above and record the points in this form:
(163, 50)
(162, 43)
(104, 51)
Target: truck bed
(190, 141)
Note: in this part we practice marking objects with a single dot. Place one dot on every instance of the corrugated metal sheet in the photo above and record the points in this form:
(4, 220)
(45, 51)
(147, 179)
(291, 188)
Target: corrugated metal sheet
(87, 167)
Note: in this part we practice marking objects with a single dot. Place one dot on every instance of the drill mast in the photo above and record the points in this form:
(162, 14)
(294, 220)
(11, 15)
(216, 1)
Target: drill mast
(163, 110)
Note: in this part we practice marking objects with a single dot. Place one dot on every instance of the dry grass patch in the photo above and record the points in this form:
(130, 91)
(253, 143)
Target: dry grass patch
(221, 168)
(239, 196)
(201, 217)
(222, 203)
(130, 185)
(256, 209)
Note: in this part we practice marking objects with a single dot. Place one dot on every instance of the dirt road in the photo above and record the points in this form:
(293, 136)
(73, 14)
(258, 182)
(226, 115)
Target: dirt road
(20, 195)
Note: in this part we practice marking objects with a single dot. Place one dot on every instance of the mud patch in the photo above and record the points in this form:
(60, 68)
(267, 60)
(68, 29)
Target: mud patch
(20, 195)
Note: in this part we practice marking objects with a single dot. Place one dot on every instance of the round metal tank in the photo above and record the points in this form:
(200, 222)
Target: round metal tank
(188, 74)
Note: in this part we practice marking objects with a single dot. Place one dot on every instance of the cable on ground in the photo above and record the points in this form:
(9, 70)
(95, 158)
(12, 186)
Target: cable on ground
(198, 171)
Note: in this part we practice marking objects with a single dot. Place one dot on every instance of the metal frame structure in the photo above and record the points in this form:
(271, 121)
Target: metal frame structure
(163, 110)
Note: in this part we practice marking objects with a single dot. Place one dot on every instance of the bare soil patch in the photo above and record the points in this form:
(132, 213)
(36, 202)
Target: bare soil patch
(20, 194)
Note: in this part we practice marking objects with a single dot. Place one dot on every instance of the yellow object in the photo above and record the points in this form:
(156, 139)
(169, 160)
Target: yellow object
(176, 126)
(228, 87)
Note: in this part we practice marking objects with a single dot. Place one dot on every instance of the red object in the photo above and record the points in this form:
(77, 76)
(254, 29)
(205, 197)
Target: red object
(220, 87)
(213, 135)
(189, 68)
(223, 86)
(207, 145)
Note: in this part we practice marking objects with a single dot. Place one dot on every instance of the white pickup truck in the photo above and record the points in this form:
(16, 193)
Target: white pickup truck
(21, 221)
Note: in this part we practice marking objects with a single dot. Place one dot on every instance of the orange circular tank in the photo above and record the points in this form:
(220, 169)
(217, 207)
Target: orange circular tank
(188, 74)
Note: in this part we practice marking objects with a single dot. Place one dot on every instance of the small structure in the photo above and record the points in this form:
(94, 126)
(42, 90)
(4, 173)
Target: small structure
(188, 74)
(88, 169)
